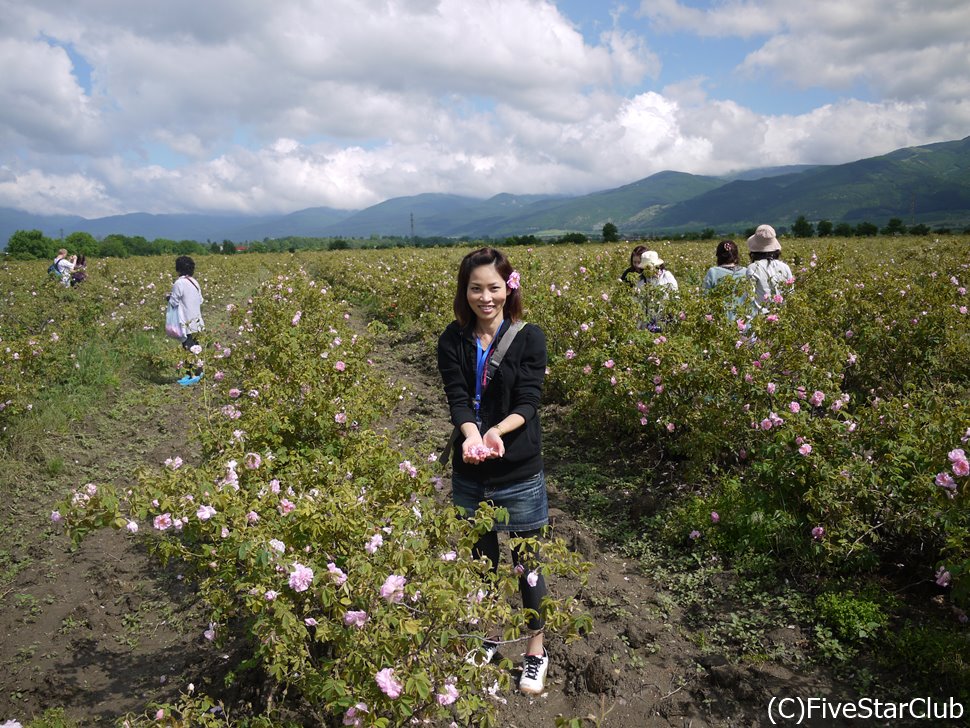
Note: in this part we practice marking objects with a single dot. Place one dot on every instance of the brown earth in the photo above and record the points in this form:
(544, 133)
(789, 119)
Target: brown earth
(104, 629)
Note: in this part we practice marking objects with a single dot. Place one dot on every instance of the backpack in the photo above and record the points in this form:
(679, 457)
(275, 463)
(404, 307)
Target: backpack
(53, 270)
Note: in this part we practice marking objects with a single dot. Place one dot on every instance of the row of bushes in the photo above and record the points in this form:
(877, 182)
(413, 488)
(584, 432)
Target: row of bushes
(816, 431)
(311, 534)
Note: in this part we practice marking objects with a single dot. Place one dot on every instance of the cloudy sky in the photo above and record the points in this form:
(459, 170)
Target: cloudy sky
(252, 106)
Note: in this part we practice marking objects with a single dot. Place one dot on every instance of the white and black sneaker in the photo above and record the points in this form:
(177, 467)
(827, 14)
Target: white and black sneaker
(481, 656)
(534, 669)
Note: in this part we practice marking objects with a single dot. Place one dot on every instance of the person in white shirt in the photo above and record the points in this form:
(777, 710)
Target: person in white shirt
(655, 276)
(771, 276)
(66, 268)
(186, 296)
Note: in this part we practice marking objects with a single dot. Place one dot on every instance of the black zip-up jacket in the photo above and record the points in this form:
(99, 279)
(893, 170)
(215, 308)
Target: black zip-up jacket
(516, 388)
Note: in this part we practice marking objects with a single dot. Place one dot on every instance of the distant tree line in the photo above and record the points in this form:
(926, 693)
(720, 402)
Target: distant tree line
(802, 228)
(33, 244)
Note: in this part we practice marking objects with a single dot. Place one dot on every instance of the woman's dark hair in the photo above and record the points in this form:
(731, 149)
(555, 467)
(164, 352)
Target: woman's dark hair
(184, 265)
(727, 252)
(765, 255)
(512, 310)
(637, 252)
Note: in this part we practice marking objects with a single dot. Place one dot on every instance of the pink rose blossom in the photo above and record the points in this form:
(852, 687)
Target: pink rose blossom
(805, 449)
(310, 622)
(205, 513)
(219, 376)
(270, 595)
(286, 506)
(375, 543)
(355, 619)
(388, 684)
(945, 480)
(715, 517)
(235, 392)
(570, 354)
(961, 468)
(448, 694)
(943, 577)
(352, 718)
(695, 535)
(533, 578)
(340, 366)
(956, 454)
(794, 407)
(479, 451)
(339, 576)
(253, 460)
(609, 364)
(163, 522)
(393, 588)
(56, 517)
(817, 533)
(301, 577)
(514, 280)
(277, 545)
(132, 526)
(340, 418)
(817, 398)
(449, 556)
(296, 318)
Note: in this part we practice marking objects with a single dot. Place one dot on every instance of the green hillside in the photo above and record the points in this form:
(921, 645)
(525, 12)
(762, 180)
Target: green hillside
(923, 184)
(628, 206)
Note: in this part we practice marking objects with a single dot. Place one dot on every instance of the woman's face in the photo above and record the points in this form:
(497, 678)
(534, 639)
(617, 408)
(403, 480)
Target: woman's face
(486, 294)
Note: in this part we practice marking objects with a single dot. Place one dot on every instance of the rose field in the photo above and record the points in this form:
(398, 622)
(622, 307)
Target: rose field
(742, 507)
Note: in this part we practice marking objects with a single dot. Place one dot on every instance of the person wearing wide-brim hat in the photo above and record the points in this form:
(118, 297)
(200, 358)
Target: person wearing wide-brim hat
(655, 272)
(771, 276)
(655, 276)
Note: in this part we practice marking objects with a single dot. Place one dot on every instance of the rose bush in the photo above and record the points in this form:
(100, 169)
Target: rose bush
(316, 536)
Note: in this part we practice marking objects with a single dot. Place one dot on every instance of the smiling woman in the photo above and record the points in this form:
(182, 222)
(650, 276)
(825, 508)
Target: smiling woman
(494, 406)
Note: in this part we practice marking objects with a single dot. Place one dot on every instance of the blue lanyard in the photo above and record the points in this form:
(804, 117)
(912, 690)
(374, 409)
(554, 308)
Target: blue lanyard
(480, 372)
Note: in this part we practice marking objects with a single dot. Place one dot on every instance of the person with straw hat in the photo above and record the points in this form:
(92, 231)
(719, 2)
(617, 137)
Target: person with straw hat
(771, 276)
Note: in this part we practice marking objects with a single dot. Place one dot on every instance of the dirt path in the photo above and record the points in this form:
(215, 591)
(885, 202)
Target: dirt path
(101, 630)
(640, 666)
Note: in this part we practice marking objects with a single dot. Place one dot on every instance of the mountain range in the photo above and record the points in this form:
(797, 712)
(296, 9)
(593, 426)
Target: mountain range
(928, 184)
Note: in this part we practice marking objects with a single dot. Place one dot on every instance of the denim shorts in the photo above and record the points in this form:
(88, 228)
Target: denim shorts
(526, 501)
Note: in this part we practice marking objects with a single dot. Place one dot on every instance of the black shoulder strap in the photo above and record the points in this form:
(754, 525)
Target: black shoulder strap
(503, 346)
(493, 364)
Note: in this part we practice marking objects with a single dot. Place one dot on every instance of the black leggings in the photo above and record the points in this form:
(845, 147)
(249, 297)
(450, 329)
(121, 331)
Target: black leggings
(187, 344)
(531, 595)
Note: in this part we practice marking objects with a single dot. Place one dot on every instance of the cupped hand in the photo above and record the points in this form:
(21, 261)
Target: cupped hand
(473, 451)
(493, 441)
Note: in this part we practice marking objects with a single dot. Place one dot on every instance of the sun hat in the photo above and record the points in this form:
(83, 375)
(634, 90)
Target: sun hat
(763, 240)
(650, 258)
